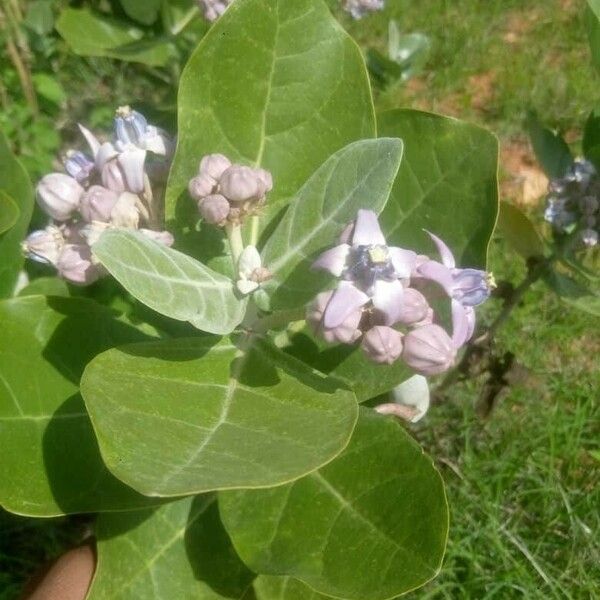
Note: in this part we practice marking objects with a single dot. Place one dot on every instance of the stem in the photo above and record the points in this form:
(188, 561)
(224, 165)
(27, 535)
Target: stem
(236, 243)
(254, 227)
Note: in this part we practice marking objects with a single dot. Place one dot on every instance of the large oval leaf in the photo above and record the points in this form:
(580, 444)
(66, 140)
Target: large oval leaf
(14, 182)
(274, 83)
(9, 212)
(358, 176)
(194, 415)
(50, 463)
(266, 587)
(174, 552)
(447, 184)
(169, 282)
(369, 526)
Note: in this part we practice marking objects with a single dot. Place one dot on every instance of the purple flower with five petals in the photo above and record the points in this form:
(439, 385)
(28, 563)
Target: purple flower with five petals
(370, 271)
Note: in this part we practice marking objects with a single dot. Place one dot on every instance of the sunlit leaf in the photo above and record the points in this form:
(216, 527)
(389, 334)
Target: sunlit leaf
(9, 212)
(550, 148)
(518, 230)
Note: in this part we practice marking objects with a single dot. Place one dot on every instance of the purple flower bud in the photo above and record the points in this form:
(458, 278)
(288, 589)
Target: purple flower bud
(414, 307)
(588, 205)
(130, 126)
(346, 332)
(162, 237)
(97, 204)
(240, 184)
(359, 8)
(589, 237)
(78, 165)
(214, 209)
(112, 177)
(58, 195)
(214, 165)
(125, 212)
(382, 344)
(201, 186)
(428, 350)
(266, 179)
(44, 246)
(213, 9)
(75, 264)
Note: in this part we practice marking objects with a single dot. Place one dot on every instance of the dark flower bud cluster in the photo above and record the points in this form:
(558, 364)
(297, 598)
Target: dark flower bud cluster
(109, 188)
(226, 193)
(377, 302)
(213, 9)
(573, 202)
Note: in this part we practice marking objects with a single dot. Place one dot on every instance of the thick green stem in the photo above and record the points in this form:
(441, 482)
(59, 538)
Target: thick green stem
(236, 243)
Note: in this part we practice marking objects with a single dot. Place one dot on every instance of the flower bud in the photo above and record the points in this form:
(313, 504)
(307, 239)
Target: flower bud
(97, 204)
(162, 237)
(589, 237)
(214, 209)
(89, 233)
(75, 264)
(382, 344)
(125, 212)
(240, 184)
(112, 177)
(346, 332)
(428, 350)
(266, 179)
(44, 245)
(78, 165)
(201, 186)
(214, 165)
(471, 286)
(414, 307)
(589, 205)
(58, 195)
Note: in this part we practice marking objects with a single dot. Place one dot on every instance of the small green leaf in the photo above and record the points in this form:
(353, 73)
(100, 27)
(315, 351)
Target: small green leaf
(46, 286)
(49, 88)
(592, 25)
(39, 17)
(9, 212)
(358, 176)
(174, 552)
(194, 415)
(171, 283)
(573, 292)
(284, 588)
(550, 148)
(142, 11)
(50, 463)
(447, 184)
(14, 182)
(518, 230)
(371, 525)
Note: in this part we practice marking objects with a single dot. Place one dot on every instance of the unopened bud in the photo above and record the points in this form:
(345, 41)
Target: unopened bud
(414, 307)
(589, 237)
(58, 195)
(201, 186)
(346, 332)
(266, 179)
(162, 237)
(75, 264)
(428, 350)
(78, 165)
(125, 212)
(382, 344)
(97, 204)
(112, 177)
(214, 165)
(44, 245)
(240, 184)
(214, 209)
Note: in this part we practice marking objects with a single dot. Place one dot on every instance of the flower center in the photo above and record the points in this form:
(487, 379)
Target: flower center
(367, 264)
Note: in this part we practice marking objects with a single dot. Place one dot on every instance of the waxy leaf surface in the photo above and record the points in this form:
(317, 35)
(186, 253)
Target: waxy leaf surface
(266, 587)
(50, 463)
(9, 212)
(370, 525)
(193, 415)
(170, 282)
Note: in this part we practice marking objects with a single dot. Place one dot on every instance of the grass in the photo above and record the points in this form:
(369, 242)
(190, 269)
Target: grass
(523, 488)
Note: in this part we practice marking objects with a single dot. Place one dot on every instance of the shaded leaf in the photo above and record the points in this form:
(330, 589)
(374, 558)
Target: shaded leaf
(233, 418)
(283, 588)
(573, 292)
(518, 230)
(9, 212)
(592, 26)
(169, 282)
(369, 526)
(50, 463)
(46, 286)
(144, 12)
(447, 184)
(550, 148)
(591, 138)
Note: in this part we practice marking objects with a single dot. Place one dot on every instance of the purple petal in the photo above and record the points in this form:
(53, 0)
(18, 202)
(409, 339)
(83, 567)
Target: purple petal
(132, 163)
(345, 300)
(91, 139)
(437, 272)
(445, 253)
(463, 323)
(333, 260)
(105, 153)
(403, 260)
(388, 299)
(366, 230)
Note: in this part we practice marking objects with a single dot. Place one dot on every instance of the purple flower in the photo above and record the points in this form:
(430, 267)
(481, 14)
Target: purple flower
(78, 165)
(370, 271)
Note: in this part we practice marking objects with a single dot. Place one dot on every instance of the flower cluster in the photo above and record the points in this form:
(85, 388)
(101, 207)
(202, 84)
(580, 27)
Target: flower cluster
(227, 192)
(359, 8)
(573, 202)
(377, 300)
(109, 188)
(213, 9)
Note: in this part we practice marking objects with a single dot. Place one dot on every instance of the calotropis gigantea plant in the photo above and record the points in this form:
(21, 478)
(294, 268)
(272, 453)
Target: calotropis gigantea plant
(236, 456)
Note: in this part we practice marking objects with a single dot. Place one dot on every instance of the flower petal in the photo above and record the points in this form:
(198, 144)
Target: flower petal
(249, 261)
(345, 300)
(91, 139)
(437, 272)
(388, 299)
(445, 253)
(132, 162)
(333, 260)
(246, 287)
(403, 260)
(463, 323)
(366, 230)
(105, 153)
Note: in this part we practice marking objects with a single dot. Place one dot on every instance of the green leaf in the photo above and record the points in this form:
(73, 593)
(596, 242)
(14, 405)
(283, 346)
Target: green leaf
(9, 212)
(369, 526)
(39, 17)
(591, 138)
(595, 7)
(518, 230)
(14, 182)
(273, 83)
(592, 26)
(49, 88)
(283, 588)
(174, 552)
(447, 184)
(169, 282)
(573, 292)
(550, 148)
(50, 463)
(142, 11)
(89, 34)
(46, 286)
(358, 176)
(232, 418)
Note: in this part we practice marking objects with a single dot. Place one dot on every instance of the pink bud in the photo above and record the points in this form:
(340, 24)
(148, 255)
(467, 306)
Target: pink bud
(201, 186)
(97, 204)
(214, 209)
(112, 177)
(240, 184)
(382, 344)
(428, 350)
(75, 265)
(58, 195)
(162, 237)
(347, 332)
(414, 307)
(266, 179)
(44, 245)
(214, 165)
